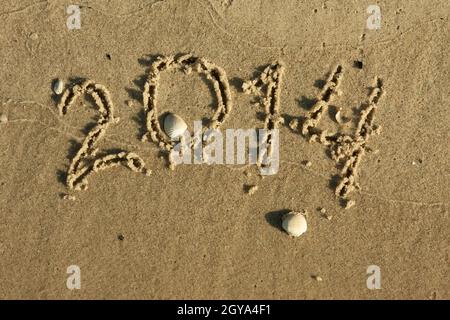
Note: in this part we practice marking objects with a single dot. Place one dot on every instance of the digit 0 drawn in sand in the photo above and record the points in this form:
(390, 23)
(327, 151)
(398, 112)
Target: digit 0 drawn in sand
(346, 150)
(186, 63)
(84, 162)
(268, 86)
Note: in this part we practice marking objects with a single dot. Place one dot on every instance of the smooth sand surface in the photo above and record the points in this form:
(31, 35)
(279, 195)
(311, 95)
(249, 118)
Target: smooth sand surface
(197, 232)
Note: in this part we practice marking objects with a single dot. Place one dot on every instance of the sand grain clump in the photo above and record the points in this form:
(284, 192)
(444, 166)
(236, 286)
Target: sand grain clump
(268, 86)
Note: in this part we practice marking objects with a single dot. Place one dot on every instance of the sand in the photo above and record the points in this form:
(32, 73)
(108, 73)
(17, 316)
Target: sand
(90, 184)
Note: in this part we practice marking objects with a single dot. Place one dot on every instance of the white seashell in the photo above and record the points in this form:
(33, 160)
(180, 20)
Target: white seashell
(174, 126)
(58, 86)
(294, 223)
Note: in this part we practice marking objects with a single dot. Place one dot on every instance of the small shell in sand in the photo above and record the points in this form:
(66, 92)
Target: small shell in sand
(174, 126)
(294, 223)
(58, 86)
(317, 278)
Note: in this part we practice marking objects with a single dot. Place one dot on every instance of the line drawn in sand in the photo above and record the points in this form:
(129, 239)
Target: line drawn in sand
(84, 163)
(268, 87)
(346, 150)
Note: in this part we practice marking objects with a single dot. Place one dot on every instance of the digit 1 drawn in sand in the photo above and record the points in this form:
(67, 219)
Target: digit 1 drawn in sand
(353, 148)
(268, 86)
(186, 63)
(84, 164)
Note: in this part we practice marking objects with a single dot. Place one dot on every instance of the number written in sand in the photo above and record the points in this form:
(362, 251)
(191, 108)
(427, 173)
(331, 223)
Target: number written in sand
(84, 163)
(346, 149)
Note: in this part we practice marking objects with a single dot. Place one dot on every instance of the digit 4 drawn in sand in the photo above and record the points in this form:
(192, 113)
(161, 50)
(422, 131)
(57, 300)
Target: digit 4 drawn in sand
(84, 162)
(347, 150)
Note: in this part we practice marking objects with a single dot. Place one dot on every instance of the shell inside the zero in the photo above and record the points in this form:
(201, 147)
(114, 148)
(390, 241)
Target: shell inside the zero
(174, 126)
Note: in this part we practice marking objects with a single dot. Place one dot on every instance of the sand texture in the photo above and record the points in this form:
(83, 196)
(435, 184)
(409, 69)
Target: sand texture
(87, 177)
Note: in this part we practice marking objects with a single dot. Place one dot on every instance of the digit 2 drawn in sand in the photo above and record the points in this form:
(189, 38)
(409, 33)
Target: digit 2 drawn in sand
(84, 162)
(346, 150)
(268, 86)
(186, 63)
